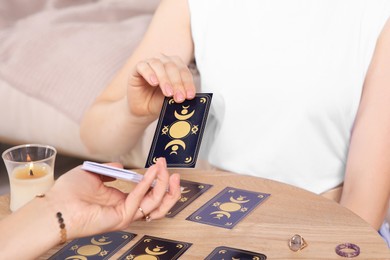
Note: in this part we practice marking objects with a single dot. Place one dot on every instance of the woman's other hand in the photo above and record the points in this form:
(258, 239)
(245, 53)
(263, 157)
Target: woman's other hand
(153, 79)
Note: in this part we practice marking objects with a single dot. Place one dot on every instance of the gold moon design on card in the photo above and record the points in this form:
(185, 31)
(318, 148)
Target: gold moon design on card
(89, 250)
(230, 206)
(179, 129)
(100, 242)
(146, 257)
(76, 257)
(175, 145)
(185, 190)
(239, 200)
(219, 214)
(155, 251)
(183, 117)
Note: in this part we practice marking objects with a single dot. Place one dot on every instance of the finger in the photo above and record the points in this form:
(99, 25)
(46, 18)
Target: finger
(146, 71)
(158, 67)
(186, 78)
(188, 83)
(173, 70)
(135, 197)
(161, 185)
(174, 185)
(155, 196)
(169, 199)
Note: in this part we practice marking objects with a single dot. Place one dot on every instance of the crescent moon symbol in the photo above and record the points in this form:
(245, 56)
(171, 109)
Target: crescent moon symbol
(78, 257)
(151, 252)
(93, 241)
(224, 213)
(238, 201)
(185, 190)
(177, 142)
(183, 117)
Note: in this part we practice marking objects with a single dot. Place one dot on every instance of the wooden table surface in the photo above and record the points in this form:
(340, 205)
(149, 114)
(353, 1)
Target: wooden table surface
(289, 210)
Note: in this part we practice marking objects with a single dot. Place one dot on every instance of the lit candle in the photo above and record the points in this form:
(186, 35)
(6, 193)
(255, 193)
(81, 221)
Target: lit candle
(29, 180)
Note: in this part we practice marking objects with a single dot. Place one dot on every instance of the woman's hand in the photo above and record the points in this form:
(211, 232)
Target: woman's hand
(153, 79)
(89, 207)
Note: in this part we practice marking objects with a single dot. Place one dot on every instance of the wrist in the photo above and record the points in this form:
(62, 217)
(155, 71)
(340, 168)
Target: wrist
(33, 224)
(55, 219)
(62, 214)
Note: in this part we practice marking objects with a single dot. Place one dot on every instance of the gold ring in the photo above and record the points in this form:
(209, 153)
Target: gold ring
(146, 217)
(297, 243)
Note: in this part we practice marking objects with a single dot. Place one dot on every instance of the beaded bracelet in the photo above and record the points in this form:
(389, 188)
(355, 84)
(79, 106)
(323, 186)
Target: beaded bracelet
(60, 221)
(62, 227)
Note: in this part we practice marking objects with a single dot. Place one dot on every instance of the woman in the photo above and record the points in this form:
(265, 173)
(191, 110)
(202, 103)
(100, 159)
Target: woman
(301, 91)
(86, 207)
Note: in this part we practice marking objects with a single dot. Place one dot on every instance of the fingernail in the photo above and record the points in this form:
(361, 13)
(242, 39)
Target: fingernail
(179, 97)
(168, 89)
(190, 94)
(153, 80)
(162, 160)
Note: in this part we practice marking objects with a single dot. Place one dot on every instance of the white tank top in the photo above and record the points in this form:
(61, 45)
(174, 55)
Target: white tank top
(287, 78)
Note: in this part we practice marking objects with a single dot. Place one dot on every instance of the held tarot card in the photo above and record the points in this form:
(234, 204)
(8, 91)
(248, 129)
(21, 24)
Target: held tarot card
(179, 131)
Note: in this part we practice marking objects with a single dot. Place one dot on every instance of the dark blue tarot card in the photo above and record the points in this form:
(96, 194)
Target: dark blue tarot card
(97, 247)
(179, 131)
(224, 252)
(190, 192)
(149, 247)
(228, 207)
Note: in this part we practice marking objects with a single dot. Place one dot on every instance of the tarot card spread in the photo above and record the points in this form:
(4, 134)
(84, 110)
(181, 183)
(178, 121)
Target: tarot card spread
(228, 207)
(179, 131)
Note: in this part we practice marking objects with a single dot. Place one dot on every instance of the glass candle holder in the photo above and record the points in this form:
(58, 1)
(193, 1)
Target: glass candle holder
(30, 170)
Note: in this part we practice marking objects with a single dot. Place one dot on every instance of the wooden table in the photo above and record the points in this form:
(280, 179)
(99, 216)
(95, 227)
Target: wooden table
(289, 210)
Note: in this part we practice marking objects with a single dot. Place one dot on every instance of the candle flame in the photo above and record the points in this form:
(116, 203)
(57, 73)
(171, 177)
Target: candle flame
(31, 171)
